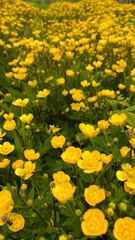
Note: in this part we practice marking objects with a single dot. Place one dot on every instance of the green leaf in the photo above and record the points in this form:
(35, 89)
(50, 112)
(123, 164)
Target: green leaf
(29, 92)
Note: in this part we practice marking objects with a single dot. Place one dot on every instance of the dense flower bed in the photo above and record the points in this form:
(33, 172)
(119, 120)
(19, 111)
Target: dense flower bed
(67, 121)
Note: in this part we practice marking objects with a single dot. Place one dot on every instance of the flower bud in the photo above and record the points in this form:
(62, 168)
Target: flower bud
(108, 194)
(115, 140)
(78, 212)
(112, 205)
(45, 176)
(33, 215)
(30, 202)
(24, 187)
(110, 212)
(123, 206)
(68, 144)
(63, 237)
(42, 238)
(108, 145)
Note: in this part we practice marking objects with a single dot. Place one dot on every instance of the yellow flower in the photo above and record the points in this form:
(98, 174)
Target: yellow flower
(89, 67)
(95, 84)
(133, 72)
(124, 151)
(58, 142)
(128, 175)
(43, 94)
(26, 118)
(121, 86)
(88, 130)
(2, 135)
(32, 83)
(18, 164)
(97, 64)
(60, 81)
(64, 93)
(132, 142)
(27, 171)
(63, 192)
(6, 148)
(85, 83)
(20, 76)
(118, 120)
(94, 195)
(61, 177)
(1, 112)
(6, 202)
(90, 162)
(9, 125)
(94, 223)
(75, 106)
(71, 155)
(70, 73)
(78, 95)
(17, 221)
(124, 229)
(8, 116)
(31, 155)
(106, 159)
(103, 124)
(92, 99)
(4, 163)
(20, 103)
(9, 74)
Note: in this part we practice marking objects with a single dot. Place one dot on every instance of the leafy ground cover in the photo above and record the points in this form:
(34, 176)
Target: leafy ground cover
(67, 161)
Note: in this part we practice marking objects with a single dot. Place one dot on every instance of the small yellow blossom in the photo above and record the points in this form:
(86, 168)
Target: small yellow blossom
(94, 223)
(4, 163)
(124, 151)
(26, 118)
(20, 103)
(88, 130)
(106, 159)
(71, 155)
(60, 81)
(9, 125)
(27, 171)
(6, 148)
(70, 73)
(8, 116)
(43, 94)
(18, 164)
(118, 120)
(124, 229)
(94, 194)
(32, 83)
(85, 83)
(58, 142)
(2, 135)
(31, 155)
(102, 124)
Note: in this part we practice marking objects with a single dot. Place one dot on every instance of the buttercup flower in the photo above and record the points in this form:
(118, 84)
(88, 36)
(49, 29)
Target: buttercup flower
(103, 124)
(71, 155)
(132, 142)
(88, 130)
(70, 73)
(106, 159)
(2, 135)
(18, 164)
(4, 163)
(90, 162)
(58, 142)
(94, 195)
(127, 175)
(124, 151)
(43, 94)
(31, 155)
(118, 120)
(6, 202)
(61, 177)
(94, 223)
(27, 171)
(26, 118)
(124, 229)
(6, 148)
(16, 221)
(32, 83)
(63, 192)
(8, 116)
(85, 83)
(20, 103)
(9, 125)
(60, 81)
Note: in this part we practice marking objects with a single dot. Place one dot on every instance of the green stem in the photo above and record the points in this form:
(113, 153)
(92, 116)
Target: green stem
(92, 141)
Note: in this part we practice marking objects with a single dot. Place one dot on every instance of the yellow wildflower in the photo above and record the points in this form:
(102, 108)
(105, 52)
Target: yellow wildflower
(88, 130)
(94, 194)
(58, 142)
(124, 229)
(118, 120)
(6, 148)
(31, 155)
(71, 155)
(9, 125)
(20, 103)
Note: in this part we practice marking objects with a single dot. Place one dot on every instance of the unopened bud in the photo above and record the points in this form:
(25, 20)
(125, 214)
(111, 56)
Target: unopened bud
(68, 144)
(115, 140)
(109, 145)
(24, 187)
(42, 238)
(108, 194)
(63, 237)
(45, 176)
(110, 212)
(78, 212)
(112, 205)
(30, 202)
(123, 206)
